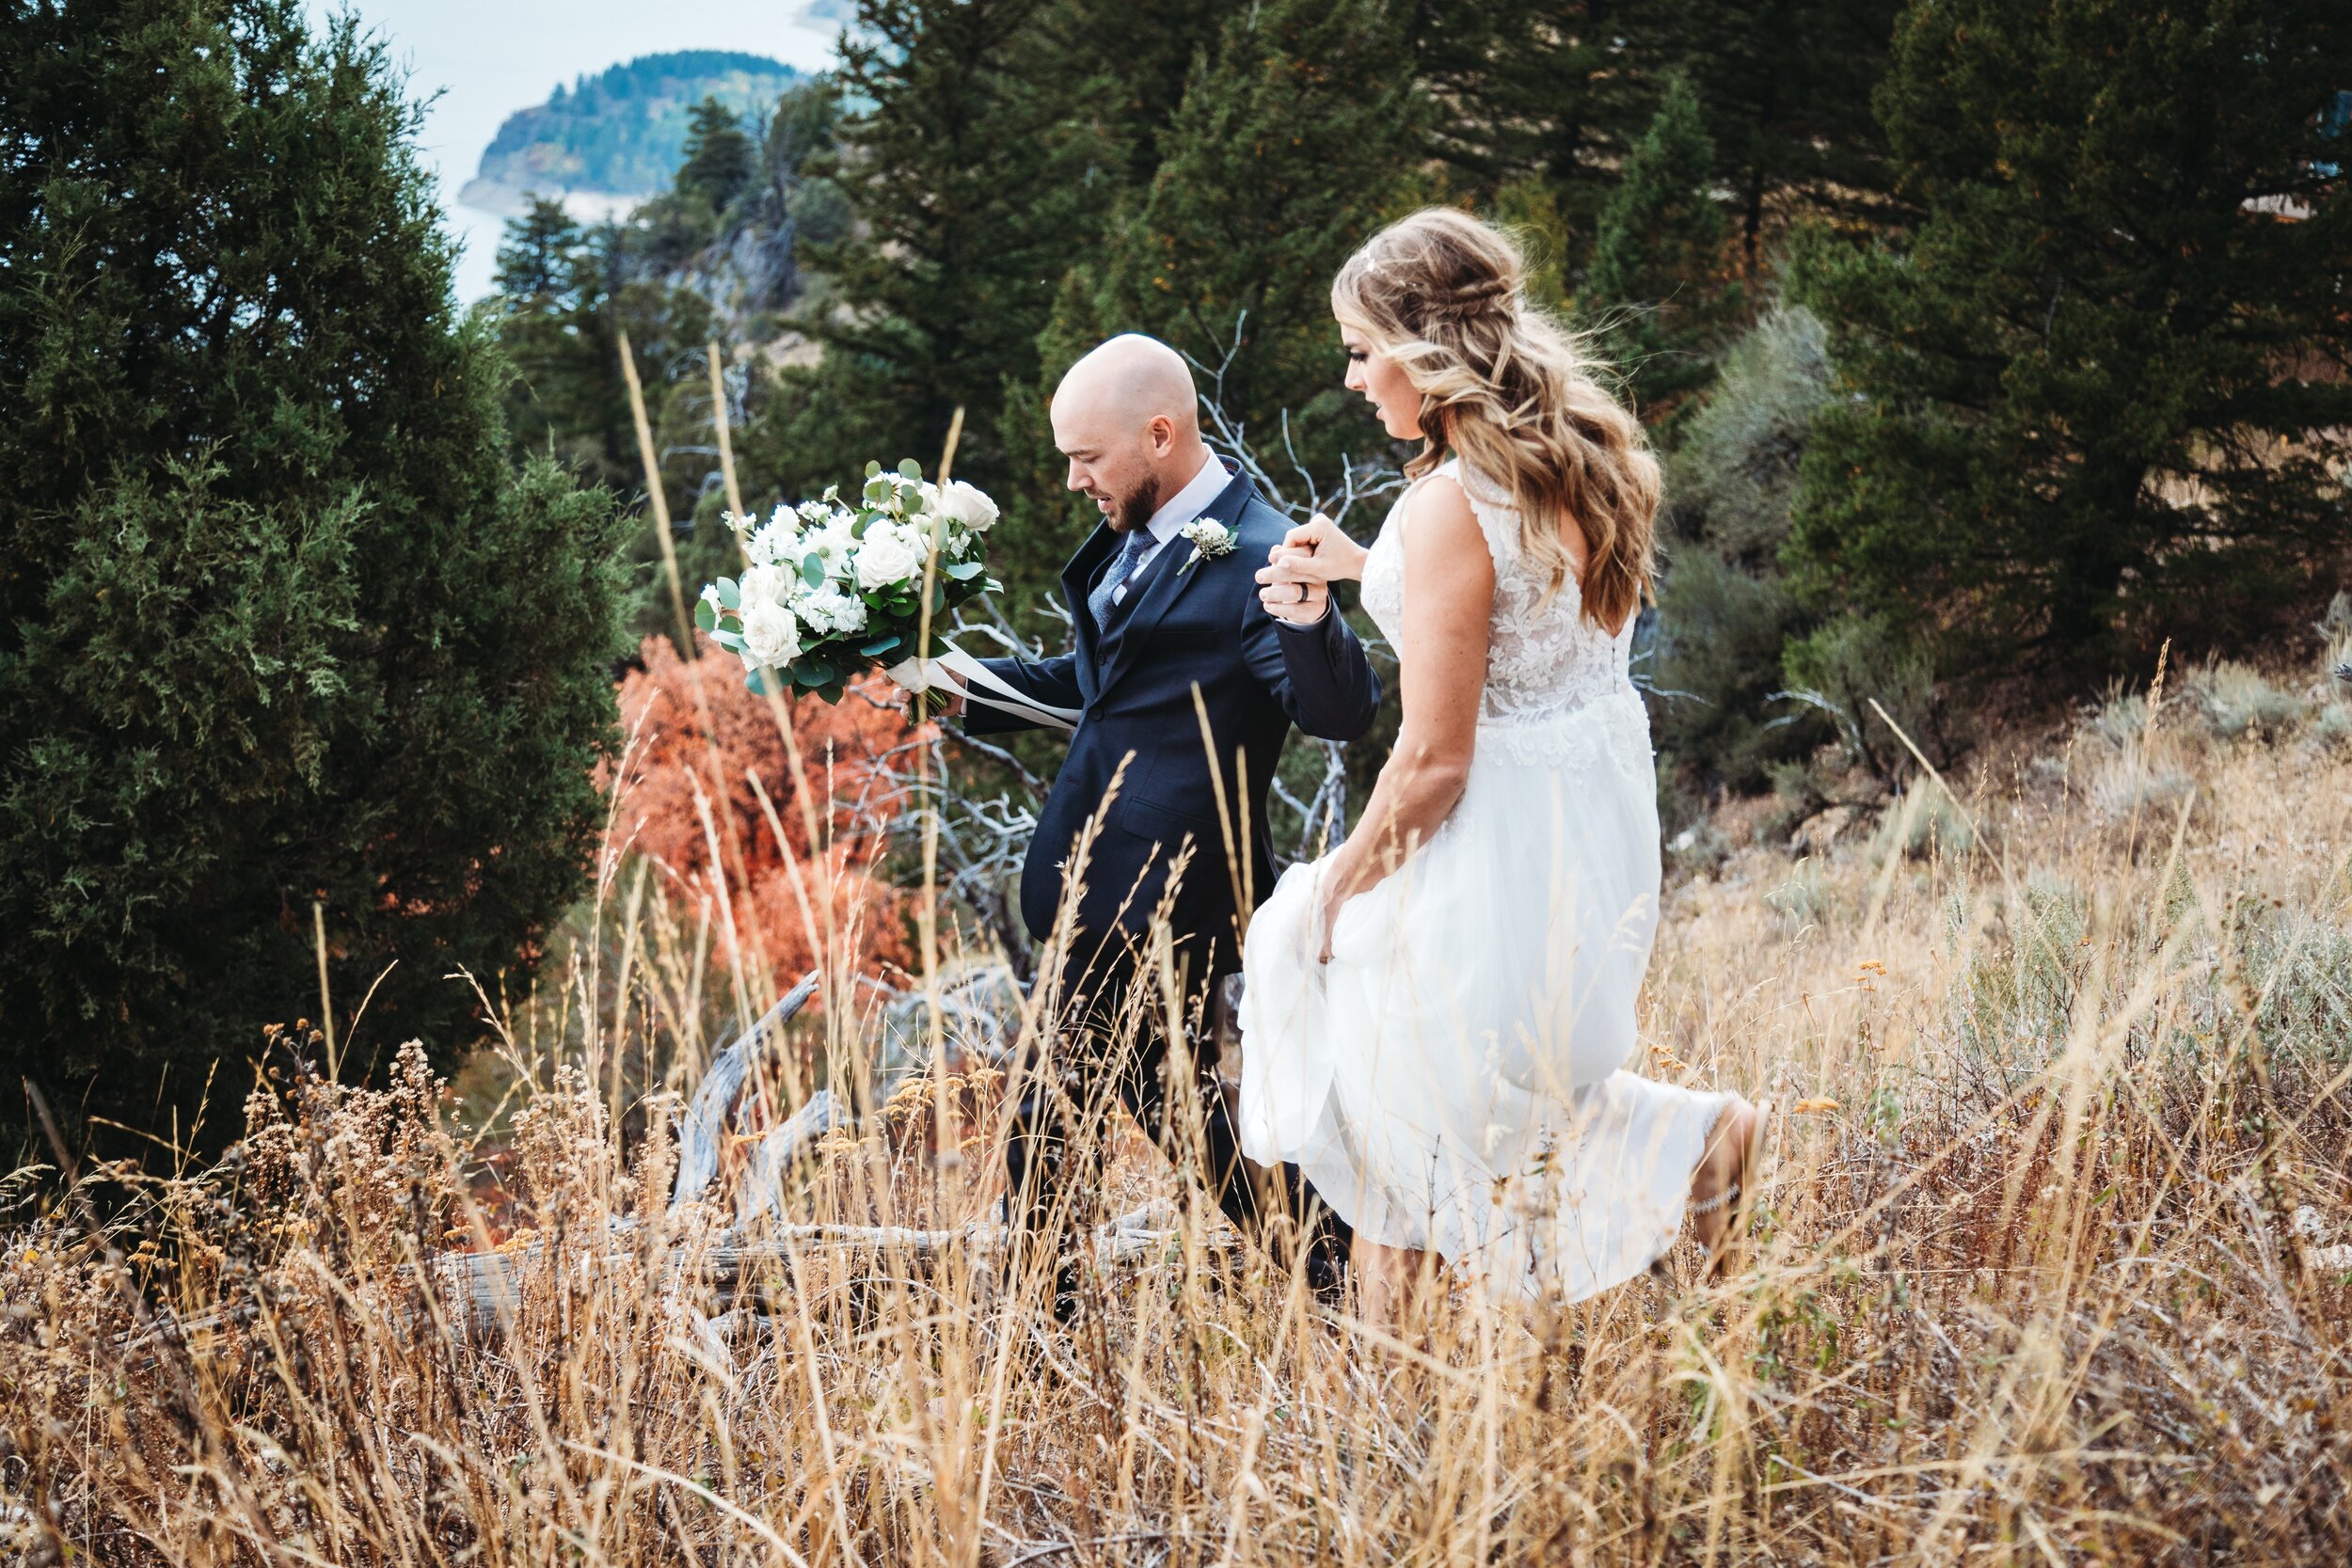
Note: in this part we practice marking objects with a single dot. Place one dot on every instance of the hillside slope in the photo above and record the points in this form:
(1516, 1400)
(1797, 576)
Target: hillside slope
(622, 132)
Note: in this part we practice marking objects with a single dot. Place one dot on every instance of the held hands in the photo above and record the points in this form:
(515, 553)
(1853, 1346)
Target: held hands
(1295, 583)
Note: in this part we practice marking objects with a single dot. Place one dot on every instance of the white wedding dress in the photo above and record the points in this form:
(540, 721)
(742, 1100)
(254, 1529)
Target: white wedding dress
(1451, 1079)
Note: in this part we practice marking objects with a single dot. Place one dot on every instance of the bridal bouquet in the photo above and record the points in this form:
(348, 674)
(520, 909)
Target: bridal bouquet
(834, 587)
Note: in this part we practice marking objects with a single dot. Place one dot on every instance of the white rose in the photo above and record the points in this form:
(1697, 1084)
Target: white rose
(968, 504)
(773, 585)
(770, 635)
(890, 554)
(929, 494)
(830, 610)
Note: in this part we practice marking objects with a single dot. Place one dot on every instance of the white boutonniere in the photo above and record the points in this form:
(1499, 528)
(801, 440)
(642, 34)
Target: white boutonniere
(1210, 539)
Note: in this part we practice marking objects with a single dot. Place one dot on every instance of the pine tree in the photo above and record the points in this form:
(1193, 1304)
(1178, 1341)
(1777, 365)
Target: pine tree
(968, 170)
(565, 399)
(721, 162)
(1657, 269)
(1522, 89)
(1295, 139)
(1786, 87)
(2095, 399)
(285, 628)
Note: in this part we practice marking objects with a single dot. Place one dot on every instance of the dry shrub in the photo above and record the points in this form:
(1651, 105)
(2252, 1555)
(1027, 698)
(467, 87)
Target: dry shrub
(784, 894)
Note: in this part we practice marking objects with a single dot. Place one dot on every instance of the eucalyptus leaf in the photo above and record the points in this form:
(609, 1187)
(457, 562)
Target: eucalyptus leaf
(879, 645)
(812, 569)
(730, 593)
(872, 468)
(706, 615)
(910, 469)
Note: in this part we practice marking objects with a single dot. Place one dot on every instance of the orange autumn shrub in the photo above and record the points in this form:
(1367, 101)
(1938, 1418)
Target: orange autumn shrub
(779, 894)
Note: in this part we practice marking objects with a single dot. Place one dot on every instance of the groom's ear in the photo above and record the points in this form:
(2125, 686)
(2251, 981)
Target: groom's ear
(1161, 430)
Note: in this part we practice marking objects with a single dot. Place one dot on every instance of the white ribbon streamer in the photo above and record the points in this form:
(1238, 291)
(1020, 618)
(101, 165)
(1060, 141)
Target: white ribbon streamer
(978, 684)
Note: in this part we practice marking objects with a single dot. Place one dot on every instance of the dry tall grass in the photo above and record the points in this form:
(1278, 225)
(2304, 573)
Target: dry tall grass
(2053, 1267)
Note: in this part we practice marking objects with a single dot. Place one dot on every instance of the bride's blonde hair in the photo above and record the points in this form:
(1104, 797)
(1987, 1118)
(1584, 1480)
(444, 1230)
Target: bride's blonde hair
(1507, 388)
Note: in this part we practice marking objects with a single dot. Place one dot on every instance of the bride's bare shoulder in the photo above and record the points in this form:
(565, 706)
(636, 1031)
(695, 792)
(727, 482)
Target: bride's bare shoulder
(1443, 542)
(1438, 510)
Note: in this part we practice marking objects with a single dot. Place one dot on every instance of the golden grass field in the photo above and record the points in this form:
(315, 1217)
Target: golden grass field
(2052, 1267)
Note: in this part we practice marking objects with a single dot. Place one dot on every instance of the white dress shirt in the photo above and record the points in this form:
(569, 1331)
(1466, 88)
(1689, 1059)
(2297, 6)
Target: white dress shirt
(1174, 512)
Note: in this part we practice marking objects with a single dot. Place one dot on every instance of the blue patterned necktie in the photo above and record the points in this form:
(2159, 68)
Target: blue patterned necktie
(1123, 567)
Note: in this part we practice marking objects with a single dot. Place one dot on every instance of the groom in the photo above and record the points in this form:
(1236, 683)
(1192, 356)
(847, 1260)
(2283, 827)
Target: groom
(1169, 630)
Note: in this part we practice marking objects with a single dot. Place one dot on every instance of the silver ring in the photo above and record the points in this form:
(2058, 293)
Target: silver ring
(1302, 593)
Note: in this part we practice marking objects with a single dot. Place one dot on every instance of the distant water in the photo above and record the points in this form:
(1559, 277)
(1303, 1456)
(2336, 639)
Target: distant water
(478, 232)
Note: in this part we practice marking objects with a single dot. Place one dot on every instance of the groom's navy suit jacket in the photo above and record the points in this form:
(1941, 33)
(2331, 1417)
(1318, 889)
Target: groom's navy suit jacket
(1178, 629)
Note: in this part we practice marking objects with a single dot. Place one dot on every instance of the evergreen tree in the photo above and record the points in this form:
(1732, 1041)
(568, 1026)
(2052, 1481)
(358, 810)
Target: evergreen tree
(721, 162)
(1657, 264)
(1528, 89)
(802, 131)
(1786, 87)
(565, 399)
(284, 627)
(967, 168)
(2096, 398)
(1295, 139)
(1138, 55)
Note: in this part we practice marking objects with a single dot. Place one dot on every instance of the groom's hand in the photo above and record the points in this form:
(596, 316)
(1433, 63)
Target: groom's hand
(1291, 589)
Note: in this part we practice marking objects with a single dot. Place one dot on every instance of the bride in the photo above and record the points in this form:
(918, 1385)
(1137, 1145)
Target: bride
(1437, 1013)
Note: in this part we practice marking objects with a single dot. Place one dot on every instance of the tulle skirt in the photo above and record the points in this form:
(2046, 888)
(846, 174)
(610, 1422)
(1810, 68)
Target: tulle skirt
(1453, 1078)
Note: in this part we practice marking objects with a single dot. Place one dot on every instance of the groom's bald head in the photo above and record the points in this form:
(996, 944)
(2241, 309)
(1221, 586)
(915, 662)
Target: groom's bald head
(1129, 422)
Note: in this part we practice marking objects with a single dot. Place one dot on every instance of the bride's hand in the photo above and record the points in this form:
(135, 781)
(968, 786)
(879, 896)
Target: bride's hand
(1318, 551)
(1334, 895)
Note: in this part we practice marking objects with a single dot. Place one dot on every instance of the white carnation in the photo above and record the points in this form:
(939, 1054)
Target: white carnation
(811, 512)
(777, 542)
(967, 505)
(830, 610)
(890, 554)
(770, 635)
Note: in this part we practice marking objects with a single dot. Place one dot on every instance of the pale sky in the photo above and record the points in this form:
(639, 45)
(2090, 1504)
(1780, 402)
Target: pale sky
(489, 57)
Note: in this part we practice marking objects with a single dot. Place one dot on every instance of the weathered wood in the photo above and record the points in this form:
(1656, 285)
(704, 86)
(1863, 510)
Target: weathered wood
(763, 1174)
(703, 1133)
(487, 1285)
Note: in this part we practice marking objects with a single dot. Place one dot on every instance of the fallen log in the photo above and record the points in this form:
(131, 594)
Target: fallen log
(490, 1283)
(483, 1290)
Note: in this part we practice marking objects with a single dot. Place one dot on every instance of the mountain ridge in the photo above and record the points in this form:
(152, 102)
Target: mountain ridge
(619, 135)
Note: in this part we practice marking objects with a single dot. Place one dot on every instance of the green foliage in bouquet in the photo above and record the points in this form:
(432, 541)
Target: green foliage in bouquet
(283, 625)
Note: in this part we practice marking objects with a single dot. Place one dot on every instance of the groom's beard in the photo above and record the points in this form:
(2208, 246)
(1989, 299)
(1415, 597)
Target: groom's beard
(1137, 506)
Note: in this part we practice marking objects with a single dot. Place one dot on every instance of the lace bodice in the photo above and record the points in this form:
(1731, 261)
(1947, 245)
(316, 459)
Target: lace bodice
(1546, 663)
